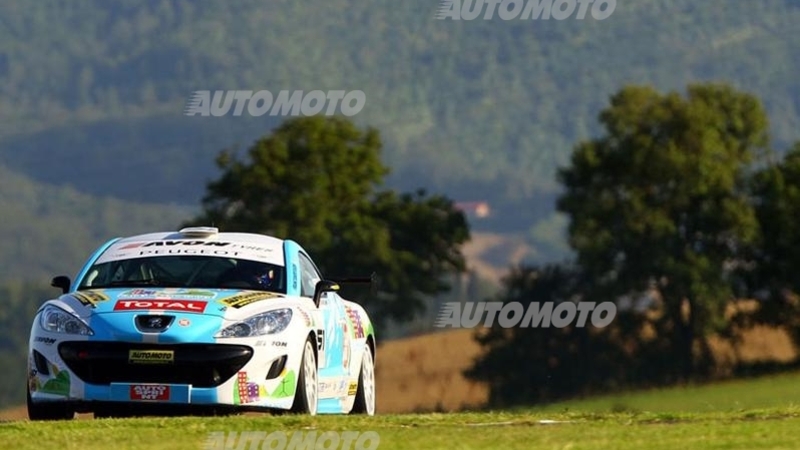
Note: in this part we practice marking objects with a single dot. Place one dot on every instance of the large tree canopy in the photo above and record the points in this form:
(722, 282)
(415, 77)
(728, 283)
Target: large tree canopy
(660, 202)
(771, 270)
(317, 180)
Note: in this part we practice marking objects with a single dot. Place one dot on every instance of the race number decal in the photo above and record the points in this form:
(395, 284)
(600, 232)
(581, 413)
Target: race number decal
(321, 340)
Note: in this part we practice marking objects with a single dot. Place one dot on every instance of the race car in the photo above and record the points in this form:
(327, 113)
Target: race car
(200, 320)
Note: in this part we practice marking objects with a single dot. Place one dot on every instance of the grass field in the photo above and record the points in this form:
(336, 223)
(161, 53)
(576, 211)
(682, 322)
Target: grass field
(756, 429)
(761, 413)
(424, 373)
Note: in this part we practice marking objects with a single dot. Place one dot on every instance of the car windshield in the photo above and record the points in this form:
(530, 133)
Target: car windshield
(186, 272)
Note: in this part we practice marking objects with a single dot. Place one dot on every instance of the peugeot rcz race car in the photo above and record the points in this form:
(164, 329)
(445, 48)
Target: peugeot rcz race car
(200, 319)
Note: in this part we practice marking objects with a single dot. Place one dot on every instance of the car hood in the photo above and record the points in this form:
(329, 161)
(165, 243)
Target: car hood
(213, 302)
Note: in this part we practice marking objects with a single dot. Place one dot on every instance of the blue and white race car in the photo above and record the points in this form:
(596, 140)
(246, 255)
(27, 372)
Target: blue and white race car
(199, 320)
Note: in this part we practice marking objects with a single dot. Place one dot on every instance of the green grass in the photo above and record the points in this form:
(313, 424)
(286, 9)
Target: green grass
(744, 430)
(744, 414)
(736, 395)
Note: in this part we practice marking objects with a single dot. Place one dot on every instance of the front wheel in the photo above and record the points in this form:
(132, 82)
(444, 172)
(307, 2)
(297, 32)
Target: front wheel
(49, 410)
(306, 395)
(365, 395)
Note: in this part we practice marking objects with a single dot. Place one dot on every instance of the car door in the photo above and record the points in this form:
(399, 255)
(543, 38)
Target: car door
(330, 338)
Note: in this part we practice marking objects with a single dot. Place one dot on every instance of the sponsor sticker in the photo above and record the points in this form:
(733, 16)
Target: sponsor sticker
(355, 319)
(165, 305)
(149, 392)
(156, 294)
(352, 388)
(45, 340)
(242, 300)
(90, 298)
(151, 356)
(244, 250)
(321, 340)
(306, 318)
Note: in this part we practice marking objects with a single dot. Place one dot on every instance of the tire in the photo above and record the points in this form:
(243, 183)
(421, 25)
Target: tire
(306, 396)
(365, 395)
(49, 410)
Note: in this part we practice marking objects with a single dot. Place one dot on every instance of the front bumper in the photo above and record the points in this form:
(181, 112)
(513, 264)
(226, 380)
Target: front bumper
(198, 365)
(90, 374)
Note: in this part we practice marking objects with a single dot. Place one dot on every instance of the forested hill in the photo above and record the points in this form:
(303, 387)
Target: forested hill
(49, 230)
(476, 109)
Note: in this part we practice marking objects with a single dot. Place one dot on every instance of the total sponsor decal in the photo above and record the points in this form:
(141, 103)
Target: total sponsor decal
(149, 392)
(175, 294)
(90, 298)
(162, 305)
(151, 356)
(242, 300)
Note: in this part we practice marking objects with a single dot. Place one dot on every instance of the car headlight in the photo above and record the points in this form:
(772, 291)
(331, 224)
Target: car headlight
(57, 320)
(270, 322)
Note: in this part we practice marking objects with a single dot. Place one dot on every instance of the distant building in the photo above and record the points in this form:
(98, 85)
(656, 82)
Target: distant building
(476, 209)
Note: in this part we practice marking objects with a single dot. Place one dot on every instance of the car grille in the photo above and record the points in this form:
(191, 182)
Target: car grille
(201, 365)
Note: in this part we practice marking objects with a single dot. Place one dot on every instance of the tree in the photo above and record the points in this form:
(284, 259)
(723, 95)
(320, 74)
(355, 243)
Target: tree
(776, 191)
(772, 273)
(660, 202)
(317, 181)
(547, 363)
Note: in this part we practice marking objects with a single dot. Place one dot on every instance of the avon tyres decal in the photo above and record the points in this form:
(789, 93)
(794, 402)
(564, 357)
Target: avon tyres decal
(241, 300)
(188, 247)
(90, 298)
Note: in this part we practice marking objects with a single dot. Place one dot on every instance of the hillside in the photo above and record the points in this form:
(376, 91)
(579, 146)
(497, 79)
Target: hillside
(477, 109)
(50, 230)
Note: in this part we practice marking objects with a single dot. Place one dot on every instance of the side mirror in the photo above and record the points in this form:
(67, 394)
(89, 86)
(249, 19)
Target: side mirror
(62, 282)
(372, 280)
(322, 287)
